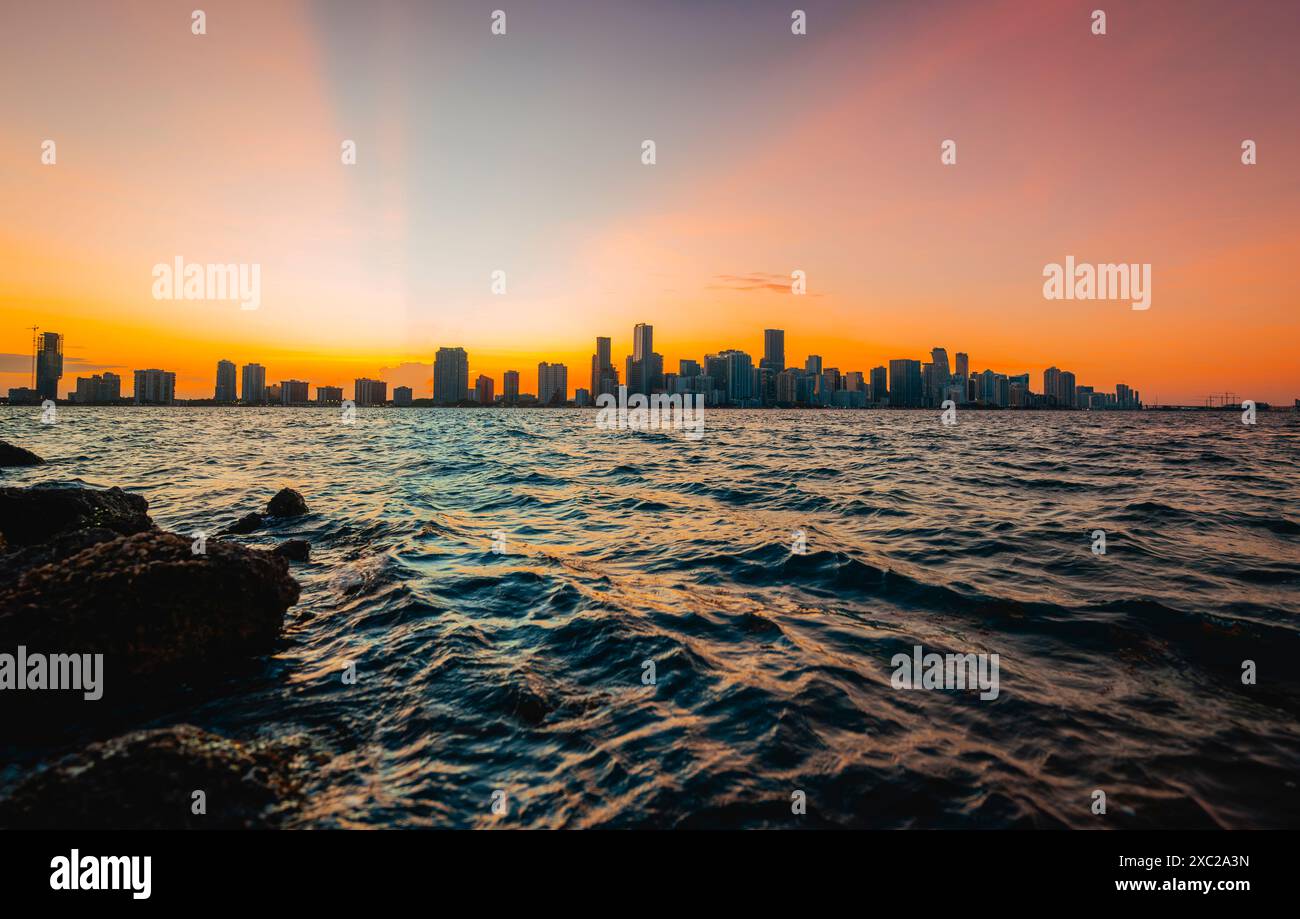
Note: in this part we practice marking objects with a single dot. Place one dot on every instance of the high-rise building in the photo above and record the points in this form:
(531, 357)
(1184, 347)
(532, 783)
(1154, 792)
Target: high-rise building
(879, 385)
(854, 381)
(940, 376)
(1052, 385)
(787, 387)
(98, 389)
(905, 383)
(225, 391)
(643, 337)
(604, 378)
(293, 392)
(48, 356)
(644, 369)
(738, 368)
(329, 395)
(510, 387)
(369, 392)
(552, 383)
(403, 395)
(813, 365)
(451, 376)
(689, 368)
(963, 364)
(155, 387)
(1067, 389)
(483, 390)
(773, 350)
(253, 390)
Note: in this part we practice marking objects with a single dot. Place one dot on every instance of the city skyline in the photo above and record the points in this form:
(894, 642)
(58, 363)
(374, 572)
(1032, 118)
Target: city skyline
(368, 268)
(724, 377)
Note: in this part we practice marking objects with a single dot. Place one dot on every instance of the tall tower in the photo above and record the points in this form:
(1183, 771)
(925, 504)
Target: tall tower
(773, 350)
(47, 358)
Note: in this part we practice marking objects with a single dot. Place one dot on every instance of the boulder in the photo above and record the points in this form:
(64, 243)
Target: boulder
(286, 503)
(295, 550)
(147, 779)
(11, 455)
(152, 607)
(51, 552)
(249, 523)
(30, 516)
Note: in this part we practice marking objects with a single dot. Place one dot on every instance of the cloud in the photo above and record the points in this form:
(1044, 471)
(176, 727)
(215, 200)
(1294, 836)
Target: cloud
(757, 280)
(22, 363)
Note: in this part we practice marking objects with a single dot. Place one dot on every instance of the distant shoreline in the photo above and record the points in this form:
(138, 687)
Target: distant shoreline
(427, 404)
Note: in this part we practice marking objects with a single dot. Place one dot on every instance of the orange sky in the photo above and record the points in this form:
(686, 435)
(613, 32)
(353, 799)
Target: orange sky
(775, 153)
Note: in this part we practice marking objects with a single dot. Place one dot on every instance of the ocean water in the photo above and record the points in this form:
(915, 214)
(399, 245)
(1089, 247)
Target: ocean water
(522, 670)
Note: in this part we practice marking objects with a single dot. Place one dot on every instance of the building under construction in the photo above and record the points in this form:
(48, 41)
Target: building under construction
(47, 363)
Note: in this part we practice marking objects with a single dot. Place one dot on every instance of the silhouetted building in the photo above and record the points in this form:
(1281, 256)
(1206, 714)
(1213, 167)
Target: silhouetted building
(49, 364)
(905, 383)
(403, 395)
(293, 392)
(604, 378)
(879, 385)
(773, 350)
(510, 387)
(97, 388)
(253, 388)
(369, 392)
(329, 395)
(226, 377)
(552, 384)
(155, 387)
(451, 376)
(483, 390)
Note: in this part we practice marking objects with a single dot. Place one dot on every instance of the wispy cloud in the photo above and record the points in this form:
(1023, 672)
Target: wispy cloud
(756, 280)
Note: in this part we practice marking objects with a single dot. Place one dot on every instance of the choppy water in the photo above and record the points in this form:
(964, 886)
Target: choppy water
(523, 671)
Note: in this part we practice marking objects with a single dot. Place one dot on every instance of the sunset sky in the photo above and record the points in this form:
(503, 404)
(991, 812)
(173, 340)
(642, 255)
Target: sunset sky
(775, 152)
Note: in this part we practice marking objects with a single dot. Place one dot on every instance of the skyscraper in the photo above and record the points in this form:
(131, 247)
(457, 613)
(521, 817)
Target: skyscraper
(225, 382)
(155, 387)
(604, 378)
(293, 392)
(905, 383)
(366, 391)
(403, 395)
(739, 369)
(644, 368)
(253, 391)
(98, 389)
(483, 387)
(963, 364)
(773, 350)
(450, 376)
(879, 385)
(49, 364)
(813, 365)
(643, 336)
(510, 387)
(940, 376)
(552, 384)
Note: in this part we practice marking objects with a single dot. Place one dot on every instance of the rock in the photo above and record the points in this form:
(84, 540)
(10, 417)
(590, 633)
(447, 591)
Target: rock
(286, 503)
(30, 516)
(145, 780)
(152, 607)
(11, 455)
(295, 550)
(51, 551)
(246, 524)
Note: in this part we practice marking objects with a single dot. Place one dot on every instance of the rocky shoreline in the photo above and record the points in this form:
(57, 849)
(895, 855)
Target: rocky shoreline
(86, 575)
